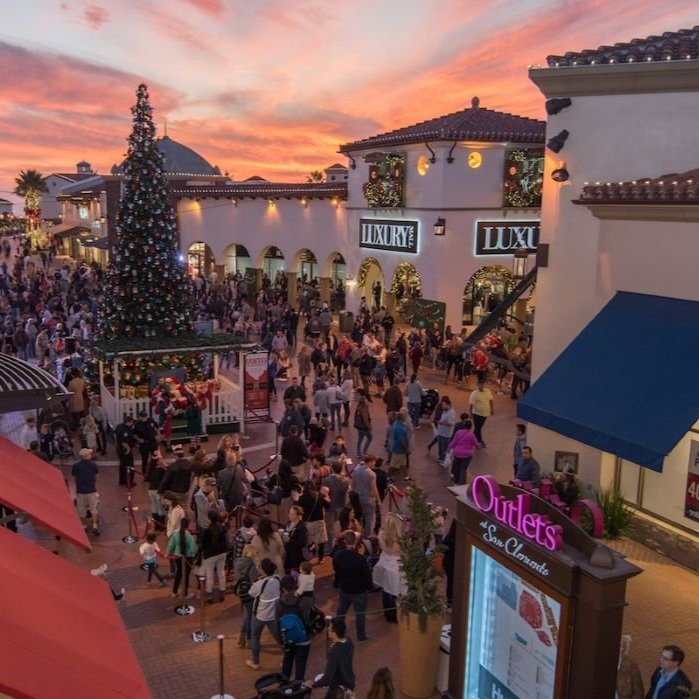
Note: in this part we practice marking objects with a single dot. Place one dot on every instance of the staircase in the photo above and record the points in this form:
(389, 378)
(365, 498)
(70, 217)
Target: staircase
(491, 320)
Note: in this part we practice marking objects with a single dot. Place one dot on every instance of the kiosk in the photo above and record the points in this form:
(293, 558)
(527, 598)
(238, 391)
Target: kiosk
(538, 603)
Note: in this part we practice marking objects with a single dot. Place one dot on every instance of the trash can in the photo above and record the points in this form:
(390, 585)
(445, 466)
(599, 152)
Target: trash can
(444, 653)
(346, 321)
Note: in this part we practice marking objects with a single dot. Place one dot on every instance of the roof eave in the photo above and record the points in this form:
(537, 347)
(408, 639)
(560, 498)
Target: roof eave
(642, 211)
(616, 78)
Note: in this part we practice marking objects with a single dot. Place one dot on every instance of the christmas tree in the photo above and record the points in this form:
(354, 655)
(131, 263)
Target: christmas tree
(147, 292)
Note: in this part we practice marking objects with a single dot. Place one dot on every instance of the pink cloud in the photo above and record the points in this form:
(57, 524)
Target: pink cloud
(212, 7)
(95, 16)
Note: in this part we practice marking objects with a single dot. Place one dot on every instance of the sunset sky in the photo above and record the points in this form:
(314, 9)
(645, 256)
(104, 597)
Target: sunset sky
(272, 87)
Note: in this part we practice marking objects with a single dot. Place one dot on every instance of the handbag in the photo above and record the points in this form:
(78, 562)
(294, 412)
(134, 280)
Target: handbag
(449, 458)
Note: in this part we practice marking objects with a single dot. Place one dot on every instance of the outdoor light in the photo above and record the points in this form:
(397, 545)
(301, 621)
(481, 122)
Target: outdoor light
(350, 281)
(519, 263)
(556, 143)
(440, 227)
(560, 174)
(553, 106)
(304, 202)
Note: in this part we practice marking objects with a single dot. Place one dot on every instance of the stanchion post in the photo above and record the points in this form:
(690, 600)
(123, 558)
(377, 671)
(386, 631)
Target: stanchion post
(201, 635)
(221, 692)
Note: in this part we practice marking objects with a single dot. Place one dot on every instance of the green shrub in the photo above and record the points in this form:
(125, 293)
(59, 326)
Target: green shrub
(617, 514)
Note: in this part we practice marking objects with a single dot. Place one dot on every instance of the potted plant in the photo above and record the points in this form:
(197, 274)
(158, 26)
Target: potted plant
(617, 514)
(423, 603)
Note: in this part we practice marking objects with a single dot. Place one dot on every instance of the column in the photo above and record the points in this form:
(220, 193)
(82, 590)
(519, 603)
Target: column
(325, 288)
(291, 288)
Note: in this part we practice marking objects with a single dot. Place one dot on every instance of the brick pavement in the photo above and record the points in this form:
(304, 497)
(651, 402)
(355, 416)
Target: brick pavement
(177, 668)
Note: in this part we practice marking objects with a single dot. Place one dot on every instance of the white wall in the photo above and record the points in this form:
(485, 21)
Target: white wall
(612, 138)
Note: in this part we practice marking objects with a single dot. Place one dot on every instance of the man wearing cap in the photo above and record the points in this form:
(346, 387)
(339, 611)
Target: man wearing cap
(178, 477)
(85, 473)
(204, 500)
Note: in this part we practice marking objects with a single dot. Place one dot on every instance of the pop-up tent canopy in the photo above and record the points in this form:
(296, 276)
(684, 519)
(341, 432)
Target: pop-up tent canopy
(24, 386)
(60, 632)
(31, 485)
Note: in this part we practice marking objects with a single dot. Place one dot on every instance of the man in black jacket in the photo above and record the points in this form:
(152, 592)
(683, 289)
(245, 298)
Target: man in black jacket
(178, 477)
(294, 450)
(145, 431)
(353, 578)
(295, 653)
(338, 668)
(668, 680)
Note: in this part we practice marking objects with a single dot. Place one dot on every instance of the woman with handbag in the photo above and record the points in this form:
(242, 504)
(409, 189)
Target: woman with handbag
(314, 505)
(268, 544)
(462, 447)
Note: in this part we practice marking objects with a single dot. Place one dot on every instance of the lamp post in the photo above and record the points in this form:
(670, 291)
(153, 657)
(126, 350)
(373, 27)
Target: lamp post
(519, 263)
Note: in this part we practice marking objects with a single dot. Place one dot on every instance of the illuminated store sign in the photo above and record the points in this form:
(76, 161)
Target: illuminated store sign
(515, 514)
(504, 237)
(394, 236)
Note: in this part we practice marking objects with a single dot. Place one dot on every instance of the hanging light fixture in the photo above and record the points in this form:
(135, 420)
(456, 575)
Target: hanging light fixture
(440, 226)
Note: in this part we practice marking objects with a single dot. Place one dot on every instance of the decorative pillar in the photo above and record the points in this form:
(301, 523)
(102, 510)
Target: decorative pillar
(325, 288)
(291, 288)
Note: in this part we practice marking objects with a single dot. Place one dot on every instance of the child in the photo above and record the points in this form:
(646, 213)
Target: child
(306, 581)
(149, 549)
(89, 432)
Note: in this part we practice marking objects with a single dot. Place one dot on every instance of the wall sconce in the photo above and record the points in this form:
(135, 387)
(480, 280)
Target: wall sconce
(475, 159)
(519, 263)
(234, 202)
(336, 202)
(440, 226)
(560, 174)
(304, 202)
(556, 143)
(553, 106)
(350, 281)
(270, 202)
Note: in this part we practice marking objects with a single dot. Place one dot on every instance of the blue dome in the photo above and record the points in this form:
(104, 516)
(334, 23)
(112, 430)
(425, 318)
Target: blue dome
(179, 160)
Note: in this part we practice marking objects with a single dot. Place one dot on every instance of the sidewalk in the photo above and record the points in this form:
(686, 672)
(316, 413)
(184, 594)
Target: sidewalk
(177, 668)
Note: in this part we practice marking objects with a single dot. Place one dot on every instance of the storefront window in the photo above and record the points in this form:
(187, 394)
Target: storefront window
(484, 291)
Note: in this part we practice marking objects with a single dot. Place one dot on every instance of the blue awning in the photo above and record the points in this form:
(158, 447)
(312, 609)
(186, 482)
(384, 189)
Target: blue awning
(628, 383)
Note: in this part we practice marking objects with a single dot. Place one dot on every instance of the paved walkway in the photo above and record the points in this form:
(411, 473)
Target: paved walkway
(663, 605)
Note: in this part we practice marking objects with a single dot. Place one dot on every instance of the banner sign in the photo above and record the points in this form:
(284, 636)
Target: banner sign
(504, 237)
(256, 383)
(388, 234)
(691, 497)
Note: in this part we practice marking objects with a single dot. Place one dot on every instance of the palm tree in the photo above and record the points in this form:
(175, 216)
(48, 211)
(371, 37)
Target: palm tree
(30, 185)
(316, 177)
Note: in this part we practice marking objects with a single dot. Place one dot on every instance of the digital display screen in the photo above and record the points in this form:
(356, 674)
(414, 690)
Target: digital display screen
(513, 632)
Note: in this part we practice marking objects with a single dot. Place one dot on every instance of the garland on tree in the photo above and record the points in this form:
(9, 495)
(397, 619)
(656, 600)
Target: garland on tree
(147, 292)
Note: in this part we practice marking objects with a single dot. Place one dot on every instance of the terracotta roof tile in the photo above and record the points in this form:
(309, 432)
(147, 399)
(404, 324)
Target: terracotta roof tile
(243, 190)
(474, 124)
(681, 45)
(666, 189)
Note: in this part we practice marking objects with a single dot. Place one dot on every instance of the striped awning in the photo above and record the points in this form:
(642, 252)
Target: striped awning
(24, 386)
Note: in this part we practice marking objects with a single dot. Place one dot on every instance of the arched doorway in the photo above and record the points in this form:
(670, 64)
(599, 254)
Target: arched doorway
(308, 267)
(200, 259)
(406, 282)
(272, 262)
(236, 259)
(484, 290)
(338, 279)
(370, 282)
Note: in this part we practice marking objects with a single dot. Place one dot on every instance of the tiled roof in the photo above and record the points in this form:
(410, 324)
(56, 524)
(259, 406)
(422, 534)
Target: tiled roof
(474, 124)
(666, 189)
(242, 190)
(336, 166)
(671, 46)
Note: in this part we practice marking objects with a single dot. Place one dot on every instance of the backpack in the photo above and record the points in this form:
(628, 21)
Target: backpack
(291, 627)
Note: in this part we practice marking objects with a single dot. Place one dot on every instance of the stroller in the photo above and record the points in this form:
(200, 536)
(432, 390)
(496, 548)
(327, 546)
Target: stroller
(62, 443)
(430, 398)
(275, 686)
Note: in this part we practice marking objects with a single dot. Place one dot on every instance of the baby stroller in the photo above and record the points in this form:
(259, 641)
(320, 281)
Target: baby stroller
(430, 398)
(62, 443)
(275, 686)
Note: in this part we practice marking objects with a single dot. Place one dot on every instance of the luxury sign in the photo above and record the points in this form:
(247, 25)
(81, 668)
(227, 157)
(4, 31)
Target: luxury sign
(396, 236)
(504, 237)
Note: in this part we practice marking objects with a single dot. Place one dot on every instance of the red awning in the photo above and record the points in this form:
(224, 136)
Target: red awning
(60, 632)
(31, 485)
